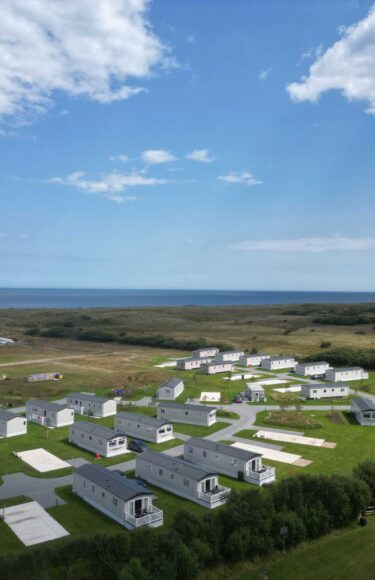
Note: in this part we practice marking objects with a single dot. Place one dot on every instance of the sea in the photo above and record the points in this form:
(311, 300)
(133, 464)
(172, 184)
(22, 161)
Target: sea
(23, 298)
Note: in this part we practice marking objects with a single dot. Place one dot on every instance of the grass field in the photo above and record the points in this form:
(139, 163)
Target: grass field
(345, 553)
(354, 444)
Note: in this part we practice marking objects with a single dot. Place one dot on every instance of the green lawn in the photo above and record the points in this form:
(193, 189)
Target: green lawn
(78, 517)
(347, 553)
(53, 440)
(354, 444)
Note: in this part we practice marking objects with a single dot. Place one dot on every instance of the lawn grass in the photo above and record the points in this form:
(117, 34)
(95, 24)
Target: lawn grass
(289, 419)
(354, 445)
(78, 517)
(347, 553)
(55, 441)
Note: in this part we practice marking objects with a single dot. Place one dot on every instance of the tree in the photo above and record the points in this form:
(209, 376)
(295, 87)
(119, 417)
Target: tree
(366, 472)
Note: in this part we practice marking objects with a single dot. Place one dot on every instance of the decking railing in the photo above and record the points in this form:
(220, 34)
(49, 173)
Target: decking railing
(153, 515)
(219, 494)
(264, 475)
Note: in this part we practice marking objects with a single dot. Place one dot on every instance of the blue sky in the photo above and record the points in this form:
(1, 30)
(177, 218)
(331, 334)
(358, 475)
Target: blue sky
(211, 144)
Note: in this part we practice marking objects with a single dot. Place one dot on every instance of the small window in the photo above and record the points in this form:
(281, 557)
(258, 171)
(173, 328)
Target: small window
(172, 475)
(190, 449)
(186, 482)
(204, 453)
(93, 488)
(115, 502)
(103, 494)
(160, 471)
(84, 483)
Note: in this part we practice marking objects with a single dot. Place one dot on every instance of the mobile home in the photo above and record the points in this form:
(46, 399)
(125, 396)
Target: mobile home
(48, 414)
(182, 478)
(217, 366)
(232, 461)
(170, 389)
(86, 404)
(346, 374)
(102, 440)
(324, 391)
(253, 360)
(185, 413)
(275, 363)
(127, 501)
(230, 355)
(208, 351)
(12, 424)
(192, 363)
(144, 427)
(311, 368)
(363, 409)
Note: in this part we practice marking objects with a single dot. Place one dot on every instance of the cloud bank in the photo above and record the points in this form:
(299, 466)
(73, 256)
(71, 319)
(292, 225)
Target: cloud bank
(76, 48)
(324, 244)
(348, 66)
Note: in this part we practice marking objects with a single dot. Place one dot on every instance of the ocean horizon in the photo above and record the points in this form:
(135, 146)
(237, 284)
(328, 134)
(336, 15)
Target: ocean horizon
(29, 298)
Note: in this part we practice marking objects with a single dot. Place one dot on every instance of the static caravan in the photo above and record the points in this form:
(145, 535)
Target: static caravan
(144, 427)
(56, 376)
(275, 363)
(184, 413)
(12, 424)
(311, 368)
(86, 404)
(170, 389)
(253, 360)
(208, 351)
(324, 391)
(217, 366)
(190, 364)
(48, 414)
(232, 461)
(127, 501)
(363, 409)
(230, 355)
(346, 374)
(97, 439)
(255, 392)
(181, 478)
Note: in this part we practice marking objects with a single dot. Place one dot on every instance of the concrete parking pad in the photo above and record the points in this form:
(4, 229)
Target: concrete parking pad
(268, 453)
(211, 397)
(42, 460)
(288, 438)
(295, 389)
(240, 377)
(32, 524)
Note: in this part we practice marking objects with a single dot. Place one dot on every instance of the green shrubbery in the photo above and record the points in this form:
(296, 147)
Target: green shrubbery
(246, 528)
(97, 335)
(345, 356)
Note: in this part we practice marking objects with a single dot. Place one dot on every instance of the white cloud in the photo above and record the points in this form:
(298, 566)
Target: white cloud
(310, 54)
(72, 47)
(201, 155)
(190, 38)
(121, 158)
(348, 66)
(264, 74)
(111, 186)
(323, 244)
(154, 156)
(245, 177)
